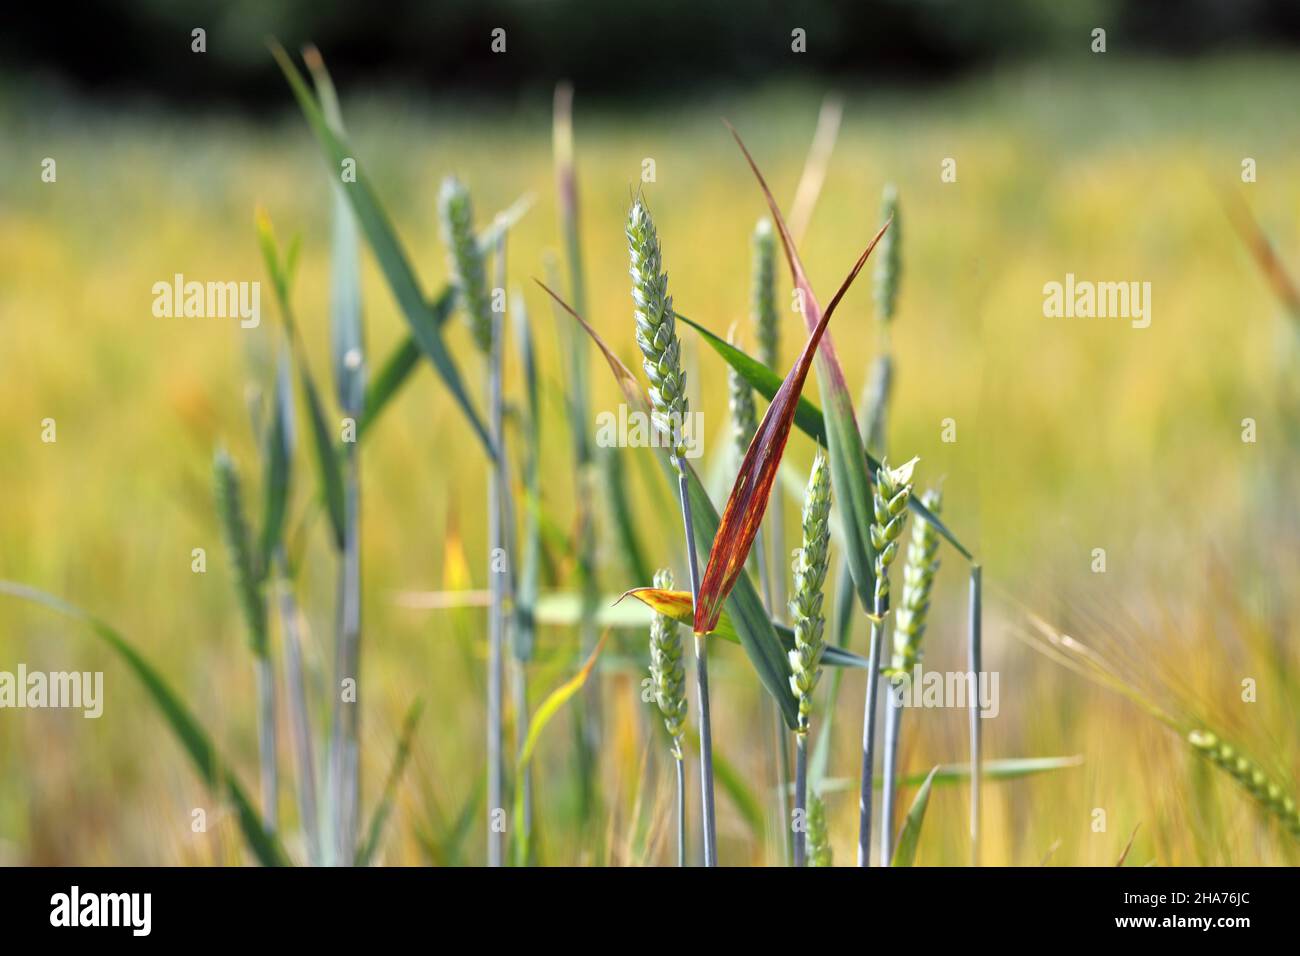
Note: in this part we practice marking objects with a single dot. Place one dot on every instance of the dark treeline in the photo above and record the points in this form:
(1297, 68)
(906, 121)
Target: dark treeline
(609, 46)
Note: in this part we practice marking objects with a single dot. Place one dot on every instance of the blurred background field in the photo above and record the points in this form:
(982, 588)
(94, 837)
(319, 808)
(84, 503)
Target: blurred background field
(1072, 434)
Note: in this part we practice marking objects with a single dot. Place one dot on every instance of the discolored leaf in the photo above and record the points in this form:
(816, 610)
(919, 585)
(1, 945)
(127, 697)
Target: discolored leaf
(752, 489)
(843, 441)
(753, 626)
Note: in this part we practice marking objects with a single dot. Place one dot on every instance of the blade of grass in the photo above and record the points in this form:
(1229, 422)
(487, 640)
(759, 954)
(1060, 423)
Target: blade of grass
(910, 835)
(346, 332)
(366, 852)
(327, 462)
(815, 165)
(951, 774)
(387, 248)
(404, 358)
(349, 373)
(189, 732)
(277, 463)
(541, 717)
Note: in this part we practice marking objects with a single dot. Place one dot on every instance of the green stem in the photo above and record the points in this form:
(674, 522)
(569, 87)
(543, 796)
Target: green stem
(681, 808)
(497, 581)
(299, 716)
(266, 742)
(865, 794)
(701, 678)
(893, 725)
(974, 664)
(801, 798)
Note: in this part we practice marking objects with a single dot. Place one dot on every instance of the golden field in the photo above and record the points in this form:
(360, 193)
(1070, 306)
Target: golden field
(1071, 435)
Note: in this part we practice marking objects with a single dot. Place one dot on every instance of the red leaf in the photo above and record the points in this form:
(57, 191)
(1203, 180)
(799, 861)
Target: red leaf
(750, 493)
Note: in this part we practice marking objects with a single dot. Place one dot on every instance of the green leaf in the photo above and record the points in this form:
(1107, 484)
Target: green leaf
(189, 732)
(954, 773)
(234, 528)
(402, 361)
(404, 358)
(327, 462)
(541, 717)
(366, 852)
(765, 381)
(808, 417)
(444, 847)
(910, 835)
(387, 249)
(277, 463)
(346, 335)
(616, 481)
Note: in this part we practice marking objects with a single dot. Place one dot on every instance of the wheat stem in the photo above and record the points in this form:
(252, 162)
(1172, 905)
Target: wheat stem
(656, 336)
(890, 494)
(801, 798)
(344, 765)
(701, 682)
(496, 574)
(266, 742)
(974, 664)
(909, 627)
(668, 677)
(299, 716)
(680, 762)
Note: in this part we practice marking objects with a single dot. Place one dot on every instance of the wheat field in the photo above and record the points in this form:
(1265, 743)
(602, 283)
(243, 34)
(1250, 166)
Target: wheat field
(1071, 435)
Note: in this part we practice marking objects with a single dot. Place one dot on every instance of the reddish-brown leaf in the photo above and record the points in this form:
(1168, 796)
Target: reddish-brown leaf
(750, 493)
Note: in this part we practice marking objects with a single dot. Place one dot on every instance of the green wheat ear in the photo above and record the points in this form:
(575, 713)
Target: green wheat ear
(1267, 792)
(469, 273)
(809, 579)
(918, 581)
(763, 294)
(889, 257)
(892, 490)
(744, 417)
(819, 837)
(656, 326)
(666, 669)
(234, 528)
